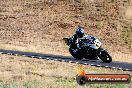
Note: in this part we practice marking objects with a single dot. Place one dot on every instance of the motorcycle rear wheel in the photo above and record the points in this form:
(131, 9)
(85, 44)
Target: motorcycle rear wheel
(76, 55)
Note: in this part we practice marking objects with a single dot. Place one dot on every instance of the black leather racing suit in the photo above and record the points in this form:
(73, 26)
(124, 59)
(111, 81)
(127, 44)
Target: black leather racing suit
(74, 44)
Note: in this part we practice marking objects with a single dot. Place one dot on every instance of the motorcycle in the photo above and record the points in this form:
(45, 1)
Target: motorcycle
(90, 49)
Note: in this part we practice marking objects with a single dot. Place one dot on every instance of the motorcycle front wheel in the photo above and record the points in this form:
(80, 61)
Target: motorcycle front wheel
(104, 56)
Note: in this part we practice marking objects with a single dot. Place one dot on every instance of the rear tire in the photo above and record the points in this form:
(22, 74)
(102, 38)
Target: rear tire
(76, 55)
(104, 56)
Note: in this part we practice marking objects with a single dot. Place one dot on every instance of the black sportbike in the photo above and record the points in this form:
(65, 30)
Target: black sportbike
(90, 49)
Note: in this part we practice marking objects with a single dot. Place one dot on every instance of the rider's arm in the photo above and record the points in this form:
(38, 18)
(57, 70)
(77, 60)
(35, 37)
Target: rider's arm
(74, 39)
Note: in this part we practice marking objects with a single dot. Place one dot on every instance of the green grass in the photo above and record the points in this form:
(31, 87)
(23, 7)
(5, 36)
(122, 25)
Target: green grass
(59, 83)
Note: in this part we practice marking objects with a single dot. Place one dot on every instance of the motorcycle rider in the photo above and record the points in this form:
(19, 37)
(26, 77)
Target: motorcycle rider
(83, 46)
(75, 44)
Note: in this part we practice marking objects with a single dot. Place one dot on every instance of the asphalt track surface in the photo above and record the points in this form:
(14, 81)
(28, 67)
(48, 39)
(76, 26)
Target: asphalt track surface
(98, 63)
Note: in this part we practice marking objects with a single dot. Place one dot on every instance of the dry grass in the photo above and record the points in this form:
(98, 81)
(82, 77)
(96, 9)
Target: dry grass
(38, 25)
(128, 11)
(24, 72)
(57, 48)
(122, 57)
(41, 25)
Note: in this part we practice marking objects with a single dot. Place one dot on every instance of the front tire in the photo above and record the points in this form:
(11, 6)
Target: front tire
(104, 56)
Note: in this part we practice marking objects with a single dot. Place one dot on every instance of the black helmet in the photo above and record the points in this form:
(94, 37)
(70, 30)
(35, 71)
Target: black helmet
(80, 32)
